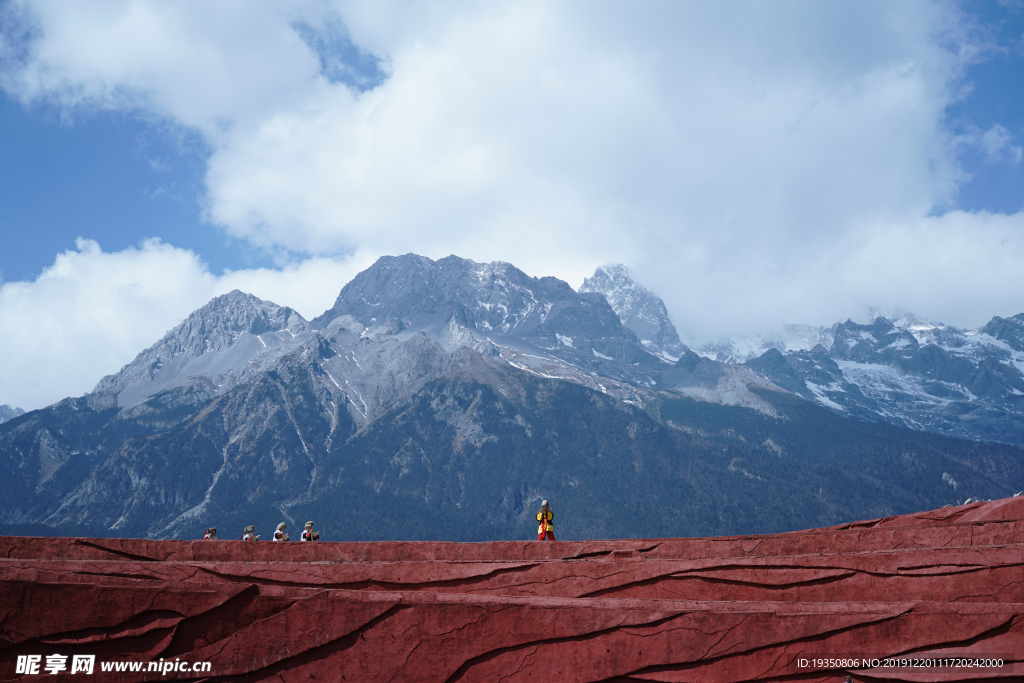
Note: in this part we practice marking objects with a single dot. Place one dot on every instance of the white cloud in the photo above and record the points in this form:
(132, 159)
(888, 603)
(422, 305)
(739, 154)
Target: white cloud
(960, 268)
(755, 162)
(204, 65)
(530, 134)
(91, 312)
(995, 142)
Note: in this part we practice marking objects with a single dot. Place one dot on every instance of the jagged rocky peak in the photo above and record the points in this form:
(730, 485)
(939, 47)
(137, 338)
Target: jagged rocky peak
(880, 340)
(218, 324)
(639, 309)
(543, 318)
(8, 412)
(792, 338)
(410, 290)
(1009, 330)
(218, 343)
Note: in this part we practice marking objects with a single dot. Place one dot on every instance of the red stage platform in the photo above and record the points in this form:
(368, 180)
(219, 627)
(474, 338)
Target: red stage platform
(931, 588)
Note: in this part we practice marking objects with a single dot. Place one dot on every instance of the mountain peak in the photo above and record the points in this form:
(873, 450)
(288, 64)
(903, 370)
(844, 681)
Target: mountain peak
(639, 309)
(493, 298)
(9, 412)
(1009, 330)
(216, 326)
(538, 319)
(219, 339)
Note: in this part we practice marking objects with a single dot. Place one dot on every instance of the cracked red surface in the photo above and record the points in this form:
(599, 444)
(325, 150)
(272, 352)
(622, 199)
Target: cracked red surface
(745, 608)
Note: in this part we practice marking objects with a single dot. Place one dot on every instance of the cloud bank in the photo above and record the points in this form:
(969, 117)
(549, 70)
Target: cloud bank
(756, 163)
(92, 312)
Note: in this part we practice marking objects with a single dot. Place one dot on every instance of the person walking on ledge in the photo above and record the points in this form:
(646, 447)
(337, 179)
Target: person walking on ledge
(546, 530)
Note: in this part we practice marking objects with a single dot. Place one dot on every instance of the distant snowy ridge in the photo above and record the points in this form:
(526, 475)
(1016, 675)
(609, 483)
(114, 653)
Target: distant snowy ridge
(9, 412)
(898, 368)
(788, 338)
(910, 372)
(797, 337)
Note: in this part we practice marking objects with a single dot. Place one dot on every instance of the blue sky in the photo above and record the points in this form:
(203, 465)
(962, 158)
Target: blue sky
(757, 163)
(118, 177)
(995, 97)
(107, 176)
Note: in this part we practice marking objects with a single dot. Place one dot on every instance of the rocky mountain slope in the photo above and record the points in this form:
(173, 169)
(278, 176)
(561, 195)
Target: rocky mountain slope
(443, 400)
(213, 350)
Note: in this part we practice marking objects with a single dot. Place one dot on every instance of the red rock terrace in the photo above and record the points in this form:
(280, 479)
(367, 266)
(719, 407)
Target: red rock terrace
(933, 587)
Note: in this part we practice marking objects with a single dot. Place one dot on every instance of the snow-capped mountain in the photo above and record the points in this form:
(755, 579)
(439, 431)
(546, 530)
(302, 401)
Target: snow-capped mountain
(639, 309)
(1010, 331)
(898, 369)
(443, 399)
(913, 373)
(9, 412)
(540, 324)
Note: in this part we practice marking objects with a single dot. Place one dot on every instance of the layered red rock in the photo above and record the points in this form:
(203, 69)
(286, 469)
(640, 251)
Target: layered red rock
(934, 587)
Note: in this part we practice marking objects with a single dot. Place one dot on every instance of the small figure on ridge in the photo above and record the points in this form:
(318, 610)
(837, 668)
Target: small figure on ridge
(308, 534)
(211, 534)
(250, 534)
(546, 530)
(280, 535)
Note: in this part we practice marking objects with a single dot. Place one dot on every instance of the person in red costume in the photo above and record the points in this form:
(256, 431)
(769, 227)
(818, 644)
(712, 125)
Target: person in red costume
(546, 530)
(211, 534)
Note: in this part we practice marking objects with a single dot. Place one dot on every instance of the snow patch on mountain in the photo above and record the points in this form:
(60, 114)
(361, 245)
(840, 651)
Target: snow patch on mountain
(820, 395)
